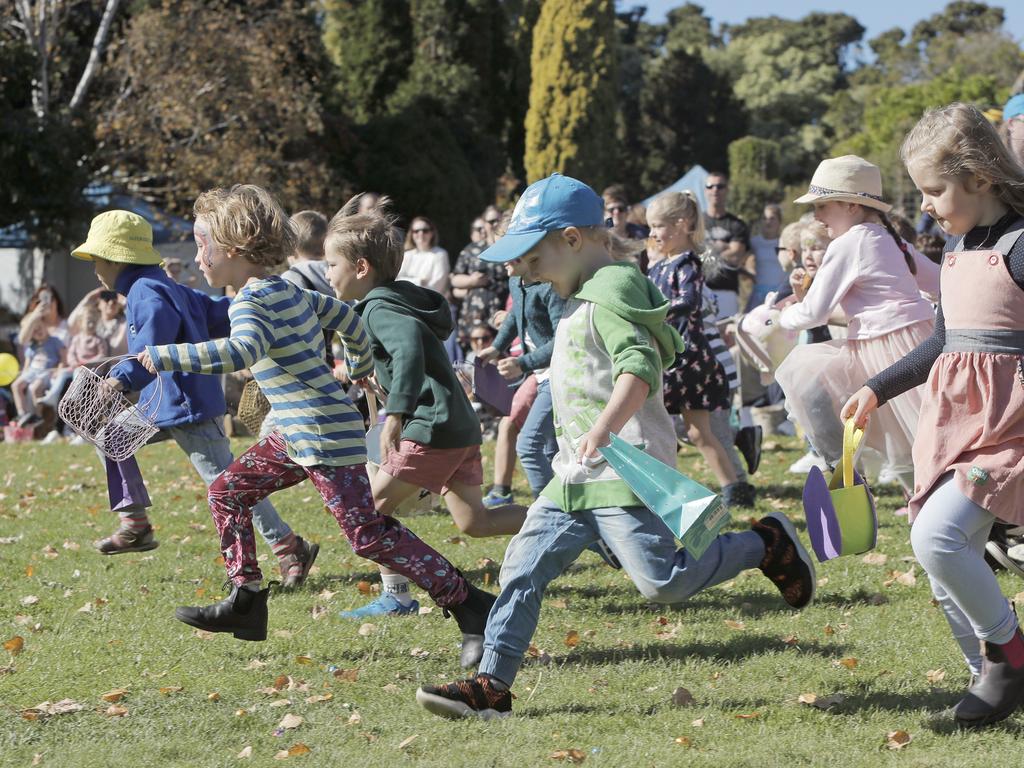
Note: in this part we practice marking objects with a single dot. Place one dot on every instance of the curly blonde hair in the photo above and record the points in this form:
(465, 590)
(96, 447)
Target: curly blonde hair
(248, 220)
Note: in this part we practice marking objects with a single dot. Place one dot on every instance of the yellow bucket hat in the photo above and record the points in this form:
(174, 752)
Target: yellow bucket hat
(120, 236)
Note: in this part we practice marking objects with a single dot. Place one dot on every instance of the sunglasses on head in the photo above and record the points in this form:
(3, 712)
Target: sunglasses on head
(716, 186)
(421, 230)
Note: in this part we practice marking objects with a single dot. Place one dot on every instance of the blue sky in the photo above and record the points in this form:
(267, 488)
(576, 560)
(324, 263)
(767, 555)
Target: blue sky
(875, 15)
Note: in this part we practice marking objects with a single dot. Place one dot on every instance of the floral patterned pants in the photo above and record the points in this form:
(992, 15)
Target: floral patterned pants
(266, 468)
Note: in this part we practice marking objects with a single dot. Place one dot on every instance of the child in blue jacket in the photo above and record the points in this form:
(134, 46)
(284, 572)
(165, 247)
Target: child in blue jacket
(187, 406)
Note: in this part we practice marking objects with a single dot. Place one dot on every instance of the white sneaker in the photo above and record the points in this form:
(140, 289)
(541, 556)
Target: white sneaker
(888, 477)
(806, 463)
(77, 440)
(52, 437)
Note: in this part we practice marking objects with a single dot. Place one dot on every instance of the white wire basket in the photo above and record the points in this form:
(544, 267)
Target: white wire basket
(105, 417)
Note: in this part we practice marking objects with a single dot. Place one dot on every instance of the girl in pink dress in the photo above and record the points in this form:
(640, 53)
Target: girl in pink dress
(876, 280)
(969, 447)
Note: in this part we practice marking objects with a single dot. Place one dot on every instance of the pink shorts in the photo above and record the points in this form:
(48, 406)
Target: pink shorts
(435, 468)
(522, 401)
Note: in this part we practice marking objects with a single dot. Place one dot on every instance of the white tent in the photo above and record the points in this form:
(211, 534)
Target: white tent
(693, 181)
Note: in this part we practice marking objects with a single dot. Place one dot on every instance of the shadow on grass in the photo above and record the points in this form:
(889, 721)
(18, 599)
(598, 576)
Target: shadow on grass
(735, 648)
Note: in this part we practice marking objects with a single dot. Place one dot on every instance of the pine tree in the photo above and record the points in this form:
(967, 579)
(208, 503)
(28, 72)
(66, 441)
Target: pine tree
(570, 127)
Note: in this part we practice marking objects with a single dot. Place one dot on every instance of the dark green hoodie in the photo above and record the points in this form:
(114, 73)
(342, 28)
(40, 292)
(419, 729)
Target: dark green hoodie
(407, 326)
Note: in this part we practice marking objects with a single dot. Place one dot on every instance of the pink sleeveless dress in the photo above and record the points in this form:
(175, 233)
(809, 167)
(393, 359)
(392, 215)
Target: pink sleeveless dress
(972, 415)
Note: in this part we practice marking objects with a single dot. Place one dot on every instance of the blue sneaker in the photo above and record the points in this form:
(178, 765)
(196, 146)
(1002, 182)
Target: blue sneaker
(385, 605)
(494, 499)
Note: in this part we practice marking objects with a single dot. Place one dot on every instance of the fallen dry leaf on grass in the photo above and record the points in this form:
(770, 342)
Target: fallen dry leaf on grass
(15, 645)
(364, 587)
(245, 754)
(683, 741)
(749, 716)
(213, 696)
(114, 696)
(167, 690)
(572, 639)
(737, 625)
(115, 710)
(256, 664)
(348, 675)
(406, 742)
(897, 739)
(936, 676)
(849, 663)
(47, 709)
(367, 629)
(319, 698)
(698, 723)
(576, 756)
(821, 702)
(290, 721)
(29, 600)
(875, 558)
(303, 660)
(295, 750)
(355, 718)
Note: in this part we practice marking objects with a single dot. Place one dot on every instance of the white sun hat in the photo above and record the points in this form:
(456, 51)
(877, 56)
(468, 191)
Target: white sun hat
(850, 179)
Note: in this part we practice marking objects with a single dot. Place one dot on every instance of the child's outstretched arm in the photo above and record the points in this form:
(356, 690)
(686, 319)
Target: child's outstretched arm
(636, 370)
(338, 316)
(251, 337)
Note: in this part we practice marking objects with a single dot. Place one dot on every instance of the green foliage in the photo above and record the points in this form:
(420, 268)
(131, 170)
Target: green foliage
(890, 112)
(370, 43)
(570, 126)
(754, 176)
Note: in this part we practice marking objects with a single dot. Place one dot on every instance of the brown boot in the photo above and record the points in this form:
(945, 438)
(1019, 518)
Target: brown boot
(126, 539)
(999, 690)
(296, 564)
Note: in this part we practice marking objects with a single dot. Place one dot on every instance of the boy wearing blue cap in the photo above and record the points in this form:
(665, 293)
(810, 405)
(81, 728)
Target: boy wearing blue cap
(611, 345)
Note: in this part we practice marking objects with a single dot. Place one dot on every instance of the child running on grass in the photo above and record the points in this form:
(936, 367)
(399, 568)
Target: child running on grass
(188, 407)
(431, 436)
(277, 333)
(969, 444)
(611, 347)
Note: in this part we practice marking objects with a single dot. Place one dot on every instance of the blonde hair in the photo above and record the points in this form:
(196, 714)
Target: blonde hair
(680, 206)
(958, 141)
(790, 236)
(29, 323)
(619, 248)
(372, 235)
(812, 233)
(248, 220)
(310, 229)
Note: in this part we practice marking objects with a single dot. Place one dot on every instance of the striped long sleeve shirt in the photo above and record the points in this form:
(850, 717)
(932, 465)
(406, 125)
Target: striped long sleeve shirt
(276, 332)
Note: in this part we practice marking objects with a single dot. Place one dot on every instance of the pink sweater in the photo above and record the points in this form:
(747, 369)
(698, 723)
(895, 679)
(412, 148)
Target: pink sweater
(865, 274)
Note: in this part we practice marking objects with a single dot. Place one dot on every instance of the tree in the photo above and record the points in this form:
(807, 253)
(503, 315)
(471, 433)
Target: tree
(890, 112)
(754, 176)
(370, 43)
(240, 102)
(688, 115)
(570, 127)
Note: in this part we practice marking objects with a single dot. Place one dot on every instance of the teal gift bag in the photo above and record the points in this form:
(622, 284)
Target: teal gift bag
(692, 512)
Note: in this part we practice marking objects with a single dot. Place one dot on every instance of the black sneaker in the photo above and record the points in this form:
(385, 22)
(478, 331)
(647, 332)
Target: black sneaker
(476, 697)
(786, 562)
(471, 616)
(606, 554)
(243, 613)
(748, 442)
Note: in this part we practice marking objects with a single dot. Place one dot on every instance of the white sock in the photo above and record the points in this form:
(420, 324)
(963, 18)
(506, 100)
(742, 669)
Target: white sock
(398, 587)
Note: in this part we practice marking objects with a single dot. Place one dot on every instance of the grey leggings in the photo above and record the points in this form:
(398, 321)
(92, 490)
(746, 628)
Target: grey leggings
(721, 428)
(949, 539)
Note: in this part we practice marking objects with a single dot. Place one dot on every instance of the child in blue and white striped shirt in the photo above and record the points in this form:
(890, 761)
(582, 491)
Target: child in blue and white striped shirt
(277, 333)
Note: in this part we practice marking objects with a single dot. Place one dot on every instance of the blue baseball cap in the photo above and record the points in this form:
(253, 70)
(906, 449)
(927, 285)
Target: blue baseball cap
(550, 204)
(1014, 107)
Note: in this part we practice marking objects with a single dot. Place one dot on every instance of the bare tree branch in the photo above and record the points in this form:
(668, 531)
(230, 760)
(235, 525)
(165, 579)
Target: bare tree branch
(98, 44)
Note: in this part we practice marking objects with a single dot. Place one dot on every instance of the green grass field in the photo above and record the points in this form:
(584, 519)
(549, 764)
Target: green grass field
(93, 625)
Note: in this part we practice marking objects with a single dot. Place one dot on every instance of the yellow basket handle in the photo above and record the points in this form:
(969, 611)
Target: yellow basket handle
(852, 436)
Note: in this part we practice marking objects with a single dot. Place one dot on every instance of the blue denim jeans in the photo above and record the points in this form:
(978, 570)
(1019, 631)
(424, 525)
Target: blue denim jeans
(551, 540)
(949, 538)
(536, 445)
(209, 450)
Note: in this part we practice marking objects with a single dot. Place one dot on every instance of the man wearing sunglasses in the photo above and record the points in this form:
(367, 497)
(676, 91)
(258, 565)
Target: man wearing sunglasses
(729, 238)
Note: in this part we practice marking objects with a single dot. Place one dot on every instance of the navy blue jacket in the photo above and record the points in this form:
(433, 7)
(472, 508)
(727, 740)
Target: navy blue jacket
(536, 310)
(161, 311)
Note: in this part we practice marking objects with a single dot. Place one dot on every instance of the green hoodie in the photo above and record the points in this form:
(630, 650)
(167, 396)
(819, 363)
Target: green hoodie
(407, 326)
(614, 324)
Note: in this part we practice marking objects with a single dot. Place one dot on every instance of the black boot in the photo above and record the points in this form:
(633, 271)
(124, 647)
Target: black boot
(999, 690)
(748, 442)
(471, 616)
(739, 496)
(243, 613)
